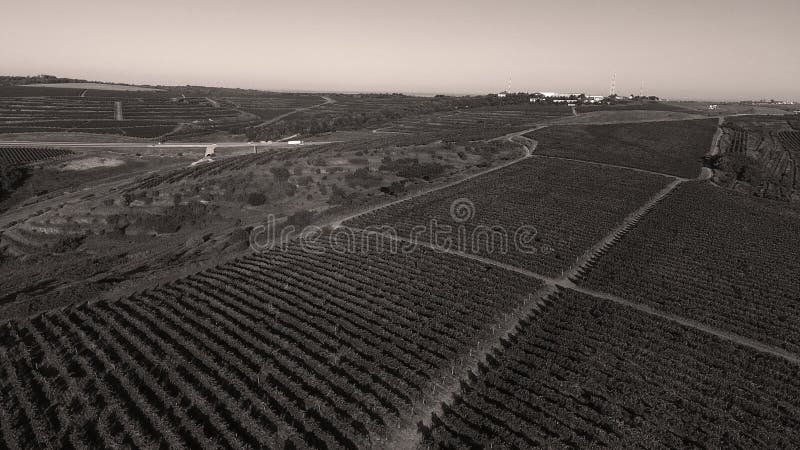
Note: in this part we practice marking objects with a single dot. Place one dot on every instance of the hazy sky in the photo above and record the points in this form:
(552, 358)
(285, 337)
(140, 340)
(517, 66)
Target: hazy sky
(713, 49)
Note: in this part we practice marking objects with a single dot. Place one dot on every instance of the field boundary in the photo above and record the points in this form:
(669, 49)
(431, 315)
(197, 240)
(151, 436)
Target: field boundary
(408, 435)
(615, 166)
(616, 234)
(690, 323)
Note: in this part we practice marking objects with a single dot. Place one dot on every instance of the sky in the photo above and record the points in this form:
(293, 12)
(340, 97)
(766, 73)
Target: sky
(679, 49)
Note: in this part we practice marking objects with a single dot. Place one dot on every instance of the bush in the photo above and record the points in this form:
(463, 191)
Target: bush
(11, 178)
(398, 187)
(362, 178)
(300, 219)
(256, 199)
(359, 161)
(280, 173)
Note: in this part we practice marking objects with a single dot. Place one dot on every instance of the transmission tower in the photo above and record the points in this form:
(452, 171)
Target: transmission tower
(613, 89)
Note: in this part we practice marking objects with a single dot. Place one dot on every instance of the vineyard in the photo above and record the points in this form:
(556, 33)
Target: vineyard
(759, 153)
(587, 373)
(12, 156)
(486, 118)
(267, 108)
(406, 114)
(651, 106)
(673, 147)
(721, 258)
(462, 287)
(142, 115)
(738, 140)
(290, 347)
(550, 195)
(791, 140)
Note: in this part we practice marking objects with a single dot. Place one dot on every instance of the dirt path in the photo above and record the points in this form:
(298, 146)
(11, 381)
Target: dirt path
(715, 142)
(213, 102)
(707, 173)
(614, 166)
(407, 436)
(118, 110)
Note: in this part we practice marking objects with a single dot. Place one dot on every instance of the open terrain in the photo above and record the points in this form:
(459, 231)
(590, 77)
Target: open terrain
(476, 272)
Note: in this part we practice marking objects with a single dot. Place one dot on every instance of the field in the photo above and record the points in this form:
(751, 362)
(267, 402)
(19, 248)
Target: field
(13, 170)
(654, 106)
(675, 148)
(475, 272)
(552, 196)
(481, 117)
(11, 156)
(93, 86)
(718, 257)
(400, 114)
(587, 373)
(169, 114)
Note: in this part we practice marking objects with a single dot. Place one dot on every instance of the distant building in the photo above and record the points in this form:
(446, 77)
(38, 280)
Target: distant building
(502, 94)
(555, 97)
(713, 106)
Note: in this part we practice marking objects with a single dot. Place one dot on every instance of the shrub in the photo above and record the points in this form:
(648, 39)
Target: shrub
(362, 177)
(280, 173)
(256, 199)
(398, 187)
(301, 218)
